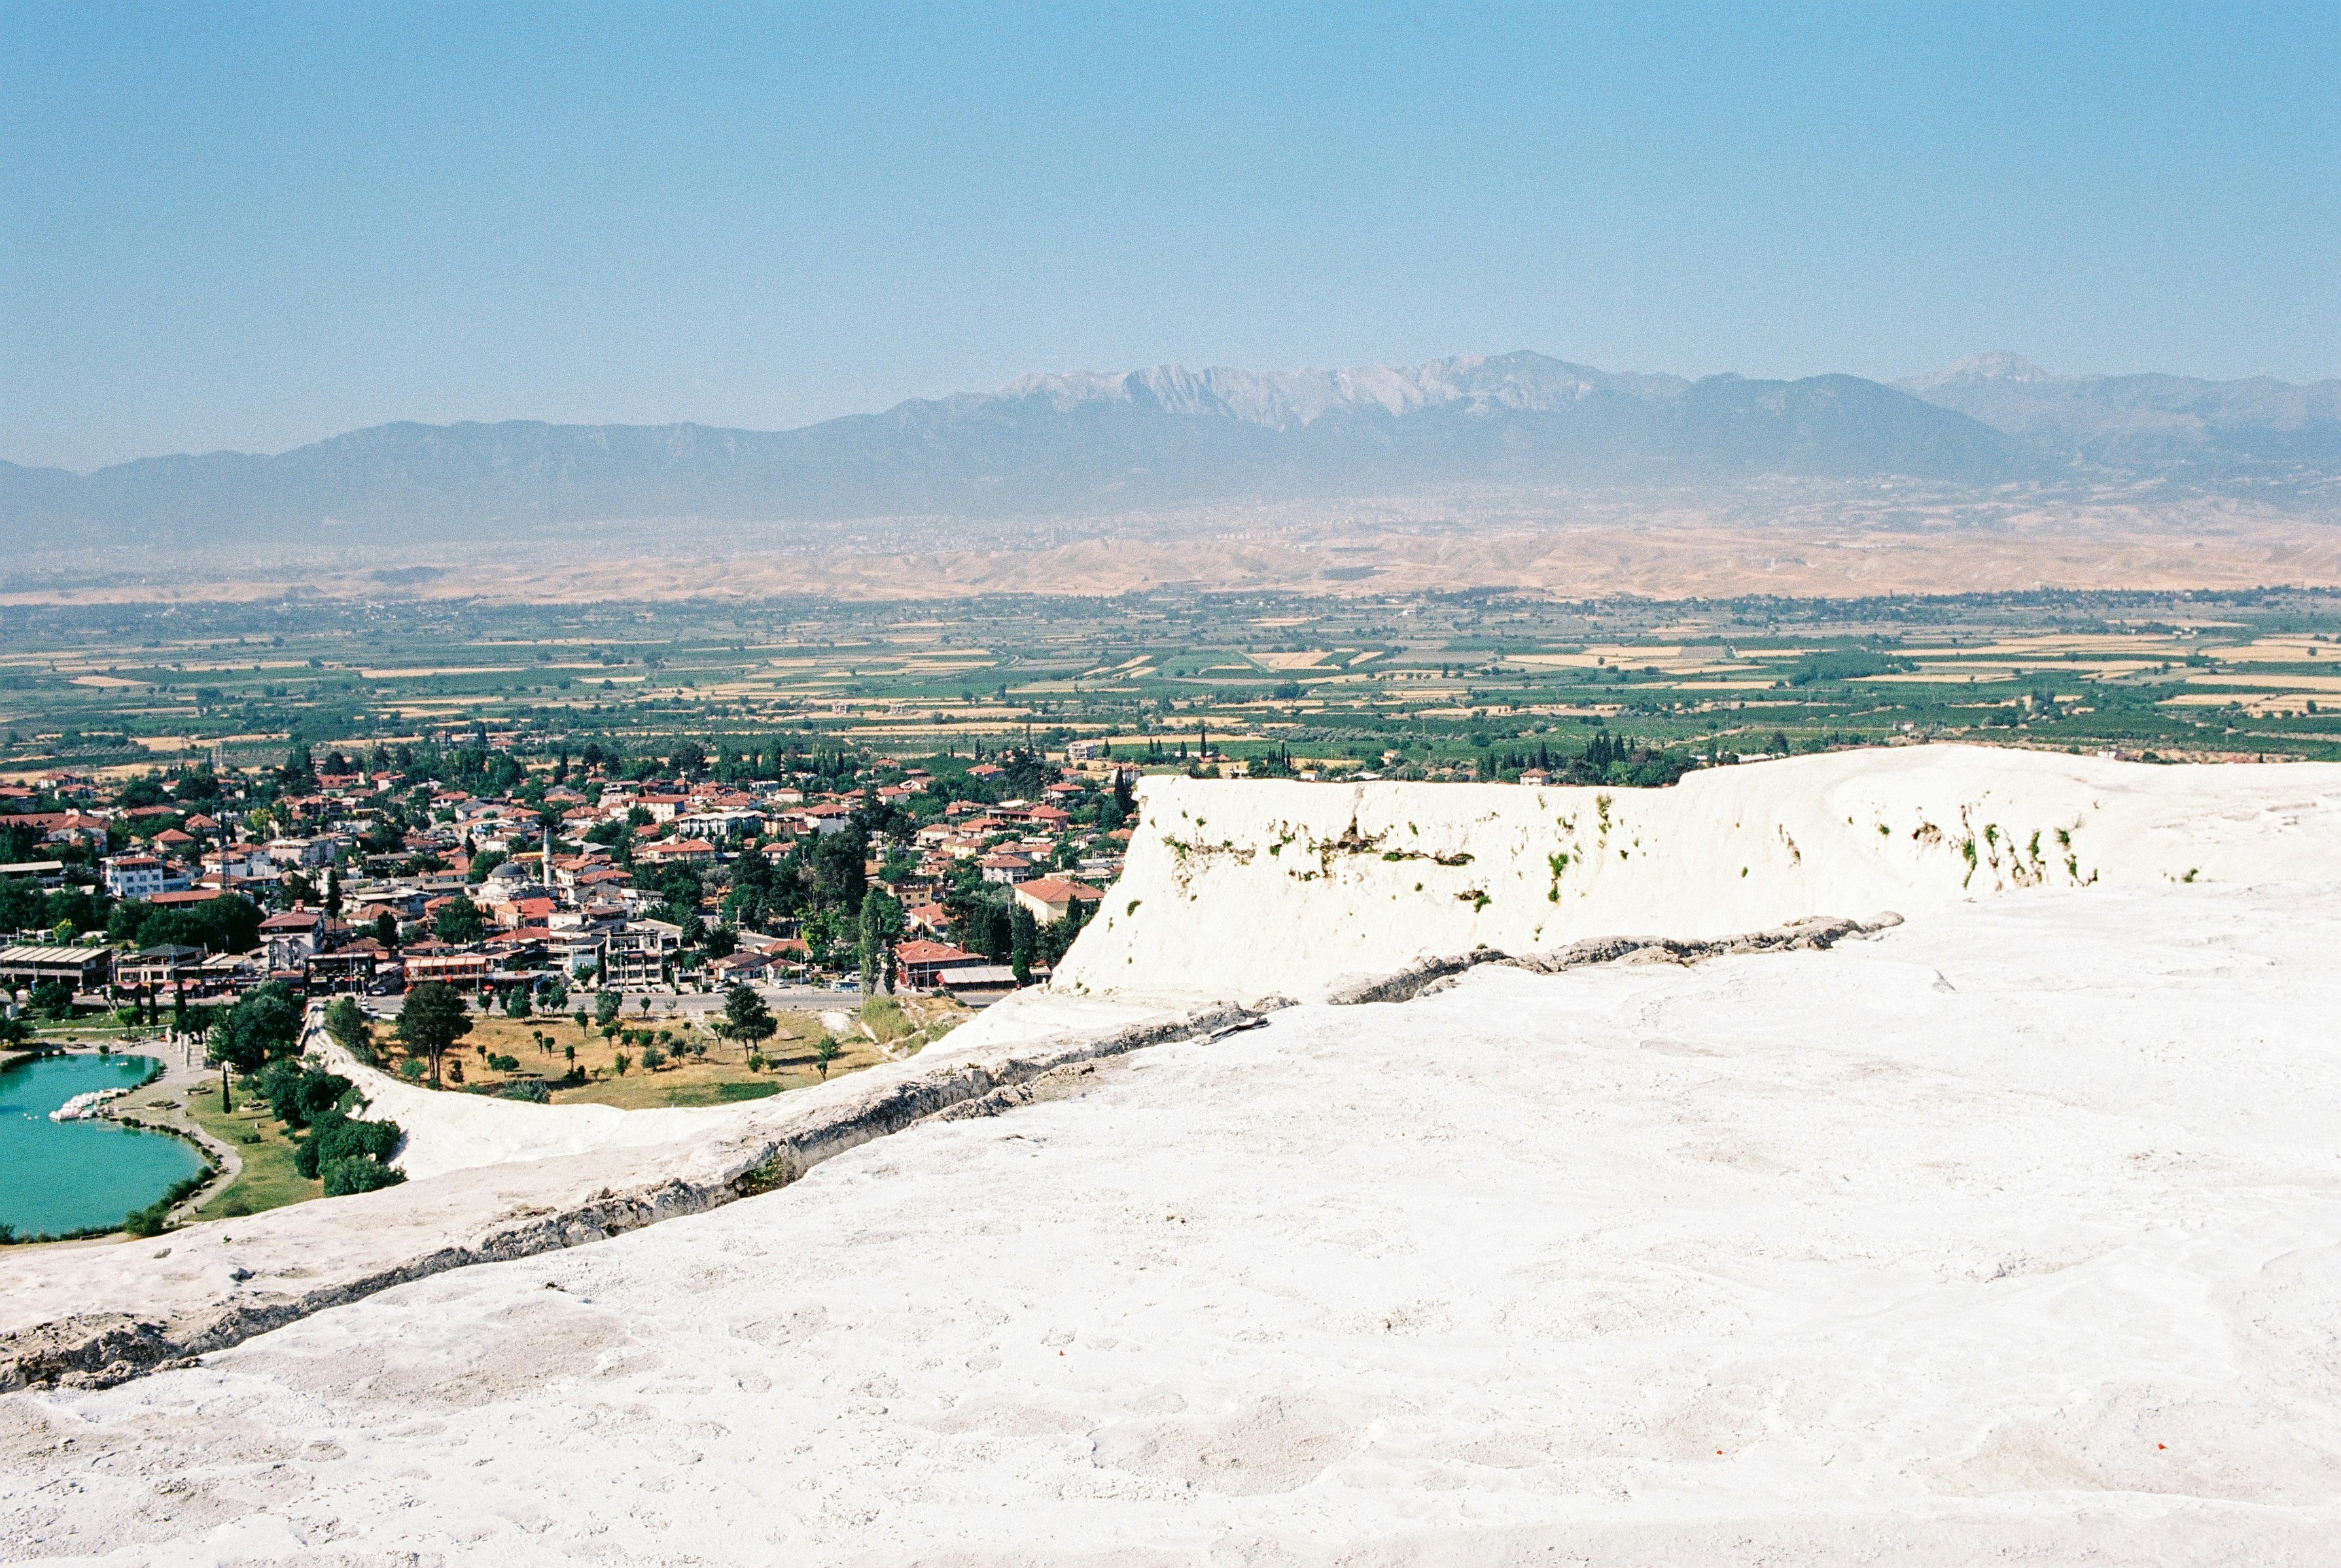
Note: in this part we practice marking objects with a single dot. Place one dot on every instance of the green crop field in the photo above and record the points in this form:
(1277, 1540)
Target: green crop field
(1417, 684)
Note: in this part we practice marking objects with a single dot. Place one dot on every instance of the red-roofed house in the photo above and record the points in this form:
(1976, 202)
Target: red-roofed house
(735, 967)
(677, 852)
(522, 912)
(1051, 898)
(927, 965)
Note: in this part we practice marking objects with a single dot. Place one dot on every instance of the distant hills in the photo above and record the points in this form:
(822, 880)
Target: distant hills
(1168, 437)
(2214, 433)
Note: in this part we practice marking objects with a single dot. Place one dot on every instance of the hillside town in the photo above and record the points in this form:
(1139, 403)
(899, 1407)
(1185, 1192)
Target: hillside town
(506, 876)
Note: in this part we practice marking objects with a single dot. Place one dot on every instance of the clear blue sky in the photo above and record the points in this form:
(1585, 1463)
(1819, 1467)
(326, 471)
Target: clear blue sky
(230, 226)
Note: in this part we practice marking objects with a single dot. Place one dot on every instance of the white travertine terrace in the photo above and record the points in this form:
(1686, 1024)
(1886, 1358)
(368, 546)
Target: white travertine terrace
(2015, 1228)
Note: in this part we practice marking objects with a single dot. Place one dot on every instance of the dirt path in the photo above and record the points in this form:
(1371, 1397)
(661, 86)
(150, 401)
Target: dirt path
(164, 1104)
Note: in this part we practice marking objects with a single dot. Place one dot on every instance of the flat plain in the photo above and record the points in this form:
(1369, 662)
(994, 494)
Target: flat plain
(1415, 682)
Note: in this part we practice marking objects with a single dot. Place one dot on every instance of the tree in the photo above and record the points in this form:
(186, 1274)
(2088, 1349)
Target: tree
(353, 1173)
(555, 995)
(265, 1025)
(746, 1018)
(823, 1053)
(348, 1025)
(1022, 940)
(298, 1095)
(823, 931)
(432, 1019)
(838, 879)
(22, 907)
(605, 1008)
(386, 931)
(53, 999)
(881, 922)
(1058, 940)
(228, 924)
(516, 1003)
(458, 922)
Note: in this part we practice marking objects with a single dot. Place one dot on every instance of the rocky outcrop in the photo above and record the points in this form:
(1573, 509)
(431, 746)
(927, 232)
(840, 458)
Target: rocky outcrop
(1820, 932)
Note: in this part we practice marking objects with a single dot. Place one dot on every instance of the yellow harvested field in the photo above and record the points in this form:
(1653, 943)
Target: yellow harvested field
(418, 673)
(2282, 650)
(2313, 683)
(2259, 704)
(2118, 643)
(2016, 671)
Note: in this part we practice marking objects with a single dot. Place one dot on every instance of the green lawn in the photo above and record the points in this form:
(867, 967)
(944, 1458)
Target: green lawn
(719, 1094)
(268, 1180)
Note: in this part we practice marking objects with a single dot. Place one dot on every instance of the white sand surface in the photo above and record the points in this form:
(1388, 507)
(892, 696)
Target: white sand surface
(2012, 1234)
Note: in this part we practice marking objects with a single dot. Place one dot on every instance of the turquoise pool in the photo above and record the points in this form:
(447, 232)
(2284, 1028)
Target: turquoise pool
(56, 1177)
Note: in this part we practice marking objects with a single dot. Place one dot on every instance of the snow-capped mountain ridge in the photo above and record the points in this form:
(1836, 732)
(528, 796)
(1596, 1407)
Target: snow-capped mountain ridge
(1285, 399)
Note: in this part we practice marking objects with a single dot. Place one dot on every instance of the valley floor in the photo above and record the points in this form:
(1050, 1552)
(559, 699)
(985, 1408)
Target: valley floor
(2015, 1230)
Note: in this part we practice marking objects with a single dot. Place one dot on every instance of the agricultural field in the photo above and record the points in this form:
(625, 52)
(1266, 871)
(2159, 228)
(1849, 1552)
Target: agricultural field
(1413, 684)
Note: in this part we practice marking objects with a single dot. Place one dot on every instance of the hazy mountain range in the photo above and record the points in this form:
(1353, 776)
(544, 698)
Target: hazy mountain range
(2217, 431)
(1098, 443)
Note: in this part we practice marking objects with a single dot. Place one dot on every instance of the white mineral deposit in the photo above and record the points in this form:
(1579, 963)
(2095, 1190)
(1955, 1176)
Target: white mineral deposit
(2011, 1230)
